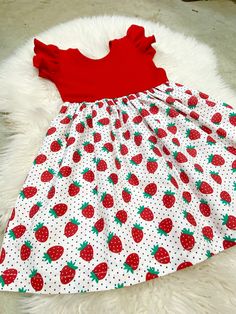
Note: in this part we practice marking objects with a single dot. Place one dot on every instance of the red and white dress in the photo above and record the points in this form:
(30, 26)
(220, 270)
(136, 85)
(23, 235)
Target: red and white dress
(135, 178)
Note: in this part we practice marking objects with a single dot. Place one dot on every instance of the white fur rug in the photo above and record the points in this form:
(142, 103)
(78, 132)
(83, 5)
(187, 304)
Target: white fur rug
(209, 287)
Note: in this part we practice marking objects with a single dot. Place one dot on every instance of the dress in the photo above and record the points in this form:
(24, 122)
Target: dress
(135, 178)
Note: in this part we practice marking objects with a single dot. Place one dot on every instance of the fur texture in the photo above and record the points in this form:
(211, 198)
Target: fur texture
(31, 102)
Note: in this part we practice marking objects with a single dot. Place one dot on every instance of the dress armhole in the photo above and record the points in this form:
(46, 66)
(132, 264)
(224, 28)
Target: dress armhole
(136, 33)
(46, 59)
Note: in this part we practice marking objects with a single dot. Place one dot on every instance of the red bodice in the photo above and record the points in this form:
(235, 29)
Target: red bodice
(127, 68)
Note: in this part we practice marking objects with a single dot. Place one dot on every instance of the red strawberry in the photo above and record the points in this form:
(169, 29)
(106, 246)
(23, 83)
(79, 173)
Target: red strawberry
(153, 109)
(53, 253)
(76, 156)
(40, 159)
(47, 175)
(136, 160)
(216, 118)
(210, 140)
(25, 250)
(193, 134)
(51, 131)
(187, 239)
(161, 254)
(123, 149)
(58, 210)
(66, 120)
(138, 138)
(229, 242)
(152, 273)
(204, 208)
(210, 103)
(107, 200)
(8, 276)
(132, 179)
(86, 251)
(184, 177)
(189, 218)
(71, 227)
(194, 115)
(175, 141)
(170, 100)
(180, 157)
(171, 127)
(126, 195)
(232, 118)
(125, 116)
(137, 119)
(168, 199)
(87, 210)
(191, 150)
(229, 221)
(145, 213)
(233, 166)
(137, 233)
(216, 160)
(184, 265)
(36, 280)
(74, 188)
(198, 168)
(17, 232)
(34, 209)
(41, 232)
(70, 140)
(113, 178)
(101, 164)
(88, 147)
(108, 147)
(117, 163)
(28, 192)
(89, 120)
(97, 137)
(67, 273)
(173, 181)
(51, 192)
(121, 217)
(187, 197)
(80, 127)
(150, 190)
(204, 187)
(203, 95)
(192, 102)
(98, 226)
(55, 146)
(171, 112)
(64, 171)
(156, 150)
(2, 255)
(216, 177)
(165, 226)
(207, 233)
(103, 121)
(205, 129)
(231, 149)
(221, 133)
(99, 272)
(225, 198)
(209, 254)
(132, 262)
(152, 165)
(114, 243)
(88, 175)
(126, 134)
(161, 133)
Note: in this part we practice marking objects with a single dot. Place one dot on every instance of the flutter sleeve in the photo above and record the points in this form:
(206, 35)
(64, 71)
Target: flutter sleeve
(136, 34)
(46, 59)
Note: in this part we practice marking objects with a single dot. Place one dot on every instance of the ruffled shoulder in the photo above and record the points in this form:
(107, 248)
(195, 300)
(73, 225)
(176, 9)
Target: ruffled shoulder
(46, 59)
(136, 33)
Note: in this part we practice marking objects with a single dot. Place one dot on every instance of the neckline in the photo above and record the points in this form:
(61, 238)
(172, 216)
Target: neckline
(107, 56)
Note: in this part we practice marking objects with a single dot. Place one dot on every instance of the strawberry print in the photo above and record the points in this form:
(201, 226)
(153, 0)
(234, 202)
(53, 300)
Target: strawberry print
(86, 251)
(71, 227)
(36, 280)
(187, 239)
(53, 253)
(133, 188)
(161, 254)
(165, 226)
(67, 273)
(99, 272)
